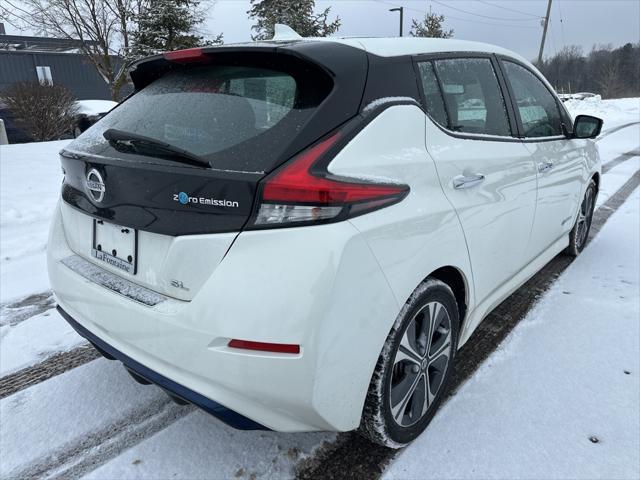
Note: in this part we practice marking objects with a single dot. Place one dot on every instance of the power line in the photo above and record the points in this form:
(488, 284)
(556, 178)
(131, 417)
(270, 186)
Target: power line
(561, 23)
(423, 12)
(509, 9)
(483, 16)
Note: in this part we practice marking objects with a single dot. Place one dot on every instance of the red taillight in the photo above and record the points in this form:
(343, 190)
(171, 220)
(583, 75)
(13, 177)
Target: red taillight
(296, 194)
(296, 184)
(265, 347)
(188, 55)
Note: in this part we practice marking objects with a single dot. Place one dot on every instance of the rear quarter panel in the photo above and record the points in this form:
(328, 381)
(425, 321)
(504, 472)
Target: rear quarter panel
(421, 233)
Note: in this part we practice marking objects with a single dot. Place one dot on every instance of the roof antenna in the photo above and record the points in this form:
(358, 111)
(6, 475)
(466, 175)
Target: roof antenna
(284, 32)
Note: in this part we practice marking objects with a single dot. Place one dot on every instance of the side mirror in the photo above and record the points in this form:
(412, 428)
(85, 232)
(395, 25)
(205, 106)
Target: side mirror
(586, 126)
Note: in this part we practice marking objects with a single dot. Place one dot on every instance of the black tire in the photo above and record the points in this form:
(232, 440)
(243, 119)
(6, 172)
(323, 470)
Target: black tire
(580, 231)
(396, 425)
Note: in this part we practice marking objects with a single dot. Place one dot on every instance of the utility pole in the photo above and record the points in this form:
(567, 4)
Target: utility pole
(544, 32)
(401, 10)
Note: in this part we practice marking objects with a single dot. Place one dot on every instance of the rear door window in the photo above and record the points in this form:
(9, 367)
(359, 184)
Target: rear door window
(432, 96)
(473, 97)
(237, 117)
(536, 106)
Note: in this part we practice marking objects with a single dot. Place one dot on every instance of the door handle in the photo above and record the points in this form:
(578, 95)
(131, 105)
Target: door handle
(545, 167)
(467, 181)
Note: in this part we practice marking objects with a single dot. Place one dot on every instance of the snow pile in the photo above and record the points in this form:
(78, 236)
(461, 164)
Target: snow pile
(560, 397)
(95, 107)
(614, 112)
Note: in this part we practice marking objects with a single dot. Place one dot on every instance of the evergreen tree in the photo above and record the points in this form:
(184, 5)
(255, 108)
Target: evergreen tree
(430, 27)
(297, 14)
(165, 25)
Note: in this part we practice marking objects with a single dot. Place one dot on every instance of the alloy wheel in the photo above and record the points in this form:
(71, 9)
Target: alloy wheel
(584, 217)
(420, 364)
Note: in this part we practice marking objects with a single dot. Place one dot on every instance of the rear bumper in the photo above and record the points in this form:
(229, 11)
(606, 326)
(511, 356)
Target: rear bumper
(228, 416)
(317, 287)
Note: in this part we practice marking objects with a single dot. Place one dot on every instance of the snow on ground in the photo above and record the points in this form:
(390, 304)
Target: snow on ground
(95, 107)
(198, 446)
(30, 178)
(614, 112)
(56, 424)
(60, 413)
(29, 342)
(566, 377)
(615, 178)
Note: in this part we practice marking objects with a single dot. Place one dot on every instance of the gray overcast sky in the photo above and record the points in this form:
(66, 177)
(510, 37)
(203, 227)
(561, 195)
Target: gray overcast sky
(584, 22)
(514, 24)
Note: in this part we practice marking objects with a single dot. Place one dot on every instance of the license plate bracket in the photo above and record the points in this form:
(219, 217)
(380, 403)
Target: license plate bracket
(115, 245)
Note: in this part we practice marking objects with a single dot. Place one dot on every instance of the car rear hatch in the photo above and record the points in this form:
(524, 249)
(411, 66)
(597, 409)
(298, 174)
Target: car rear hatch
(159, 188)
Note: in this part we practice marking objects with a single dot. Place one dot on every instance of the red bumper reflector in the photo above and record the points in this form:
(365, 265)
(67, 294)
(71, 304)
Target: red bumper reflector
(265, 347)
(188, 55)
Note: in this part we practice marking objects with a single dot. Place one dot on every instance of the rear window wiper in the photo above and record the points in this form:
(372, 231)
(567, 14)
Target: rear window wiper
(129, 142)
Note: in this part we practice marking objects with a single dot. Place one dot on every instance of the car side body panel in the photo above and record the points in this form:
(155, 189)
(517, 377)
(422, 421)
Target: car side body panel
(559, 189)
(497, 214)
(405, 237)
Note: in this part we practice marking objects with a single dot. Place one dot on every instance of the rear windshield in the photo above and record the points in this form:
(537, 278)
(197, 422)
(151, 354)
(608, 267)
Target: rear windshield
(237, 117)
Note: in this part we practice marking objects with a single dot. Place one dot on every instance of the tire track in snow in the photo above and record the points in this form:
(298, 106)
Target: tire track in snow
(352, 456)
(606, 133)
(12, 313)
(52, 366)
(87, 453)
(619, 159)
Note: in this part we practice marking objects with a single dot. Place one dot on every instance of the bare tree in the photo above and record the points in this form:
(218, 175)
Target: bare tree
(610, 79)
(102, 26)
(46, 111)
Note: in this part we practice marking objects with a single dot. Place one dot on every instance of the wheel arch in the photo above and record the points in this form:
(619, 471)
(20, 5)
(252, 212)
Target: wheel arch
(596, 178)
(457, 281)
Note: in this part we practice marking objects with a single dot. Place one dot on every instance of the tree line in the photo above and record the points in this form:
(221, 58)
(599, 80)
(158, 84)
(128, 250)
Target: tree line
(114, 33)
(610, 72)
(118, 32)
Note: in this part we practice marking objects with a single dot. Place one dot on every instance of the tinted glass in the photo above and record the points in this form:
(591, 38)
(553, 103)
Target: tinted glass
(536, 106)
(586, 127)
(432, 95)
(237, 117)
(473, 97)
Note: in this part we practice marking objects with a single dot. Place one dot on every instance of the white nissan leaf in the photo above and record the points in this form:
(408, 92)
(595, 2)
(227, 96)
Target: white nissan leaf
(298, 235)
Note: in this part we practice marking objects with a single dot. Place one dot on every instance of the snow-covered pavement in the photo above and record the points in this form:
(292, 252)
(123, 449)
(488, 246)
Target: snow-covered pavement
(70, 424)
(535, 402)
(30, 178)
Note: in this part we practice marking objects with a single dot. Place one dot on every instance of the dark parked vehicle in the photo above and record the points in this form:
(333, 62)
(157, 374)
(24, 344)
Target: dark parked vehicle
(15, 133)
(89, 112)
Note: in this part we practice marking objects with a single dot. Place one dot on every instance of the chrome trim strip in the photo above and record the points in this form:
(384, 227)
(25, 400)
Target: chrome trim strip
(116, 284)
